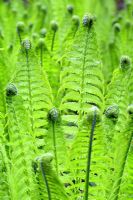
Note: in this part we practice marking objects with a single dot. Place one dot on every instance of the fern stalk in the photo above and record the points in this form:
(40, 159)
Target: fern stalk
(45, 179)
(41, 55)
(54, 143)
(53, 39)
(89, 157)
(29, 85)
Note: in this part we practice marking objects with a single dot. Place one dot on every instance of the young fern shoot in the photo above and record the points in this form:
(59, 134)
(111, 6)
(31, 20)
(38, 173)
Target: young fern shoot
(54, 27)
(53, 117)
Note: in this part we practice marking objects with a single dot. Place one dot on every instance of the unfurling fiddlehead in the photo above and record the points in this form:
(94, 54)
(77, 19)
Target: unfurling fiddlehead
(54, 28)
(11, 90)
(70, 9)
(26, 44)
(88, 20)
(41, 45)
(125, 62)
(112, 112)
(20, 29)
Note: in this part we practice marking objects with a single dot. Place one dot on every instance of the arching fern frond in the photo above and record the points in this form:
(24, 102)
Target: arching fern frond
(81, 82)
(35, 90)
(51, 186)
(21, 149)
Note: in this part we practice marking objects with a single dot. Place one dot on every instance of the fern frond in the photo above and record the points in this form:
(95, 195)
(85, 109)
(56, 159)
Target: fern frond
(121, 157)
(81, 82)
(21, 149)
(35, 90)
(5, 181)
(50, 183)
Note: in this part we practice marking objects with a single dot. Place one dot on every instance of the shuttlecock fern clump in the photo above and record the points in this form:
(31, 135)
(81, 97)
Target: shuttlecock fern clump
(66, 100)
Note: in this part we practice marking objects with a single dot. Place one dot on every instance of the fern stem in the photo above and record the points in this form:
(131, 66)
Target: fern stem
(45, 180)
(53, 39)
(20, 39)
(29, 87)
(54, 143)
(89, 157)
(41, 55)
(83, 74)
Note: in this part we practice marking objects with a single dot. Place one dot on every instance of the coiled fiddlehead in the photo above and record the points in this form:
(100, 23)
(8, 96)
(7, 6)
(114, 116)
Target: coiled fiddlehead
(112, 112)
(11, 90)
(125, 62)
(70, 9)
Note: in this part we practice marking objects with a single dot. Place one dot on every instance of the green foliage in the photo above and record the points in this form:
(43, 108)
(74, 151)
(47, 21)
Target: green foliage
(66, 100)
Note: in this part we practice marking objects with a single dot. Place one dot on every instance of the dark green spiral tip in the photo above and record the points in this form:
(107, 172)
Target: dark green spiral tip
(76, 20)
(25, 15)
(40, 42)
(10, 47)
(117, 27)
(43, 32)
(88, 20)
(91, 112)
(53, 115)
(20, 26)
(26, 44)
(44, 9)
(11, 90)
(31, 25)
(125, 62)
(130, 110)
(112, 112)
(117, 19)
(128, 4)
(35, 36)
(14, 11)
(54, 25)
(38, 5)
(128, 24)
(70, 9)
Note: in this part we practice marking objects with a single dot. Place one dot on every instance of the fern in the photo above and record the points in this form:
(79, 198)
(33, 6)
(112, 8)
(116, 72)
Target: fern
(34, 80)
(52, 185)
(66, 105)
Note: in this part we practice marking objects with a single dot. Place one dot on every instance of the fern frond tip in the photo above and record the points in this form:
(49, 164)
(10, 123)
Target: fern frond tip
(112, 112)
(11, 90)
(125, 62)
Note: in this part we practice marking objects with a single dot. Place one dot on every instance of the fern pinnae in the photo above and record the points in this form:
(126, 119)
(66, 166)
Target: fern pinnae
(89, 157)
(36, 92)
(27, 45)
(21, 159)
(87, 22)
(5, 182)
(128, 135)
